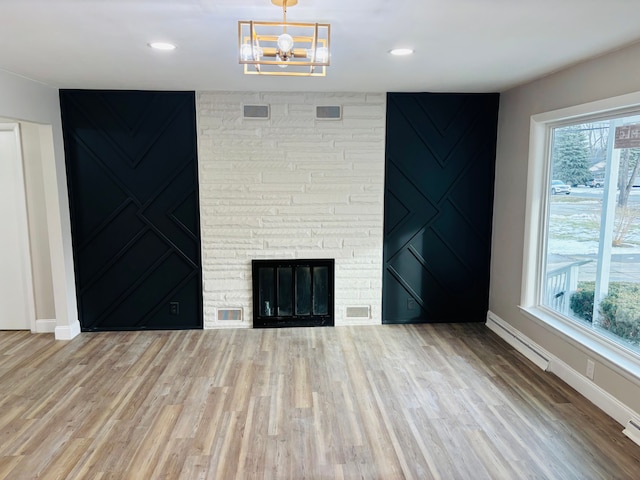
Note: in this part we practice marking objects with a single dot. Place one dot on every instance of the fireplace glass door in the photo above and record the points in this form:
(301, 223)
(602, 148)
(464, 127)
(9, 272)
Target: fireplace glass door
(293, 293)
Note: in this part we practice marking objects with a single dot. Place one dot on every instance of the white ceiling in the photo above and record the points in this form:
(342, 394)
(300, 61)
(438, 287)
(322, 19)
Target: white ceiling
(460, 45)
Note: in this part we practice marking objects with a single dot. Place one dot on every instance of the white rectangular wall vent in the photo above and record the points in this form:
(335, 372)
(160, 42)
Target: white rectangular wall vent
(256, 111)
(230, 314)
(329, 112)
(359, 312)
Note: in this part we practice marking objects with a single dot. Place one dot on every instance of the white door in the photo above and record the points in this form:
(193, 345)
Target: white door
(17, 309)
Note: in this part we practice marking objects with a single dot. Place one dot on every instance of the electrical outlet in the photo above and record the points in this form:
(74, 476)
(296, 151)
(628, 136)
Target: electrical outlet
(591, 367)
(411, 303)
(174, 308)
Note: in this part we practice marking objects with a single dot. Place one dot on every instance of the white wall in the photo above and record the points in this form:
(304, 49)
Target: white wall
(607, 76)
(291, 187)
(26, 100)
(38, 228)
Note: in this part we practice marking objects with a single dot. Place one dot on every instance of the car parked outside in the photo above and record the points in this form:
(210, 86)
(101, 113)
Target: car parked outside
(558, 187)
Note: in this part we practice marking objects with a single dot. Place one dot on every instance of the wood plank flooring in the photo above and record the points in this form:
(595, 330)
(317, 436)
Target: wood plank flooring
(375, 402)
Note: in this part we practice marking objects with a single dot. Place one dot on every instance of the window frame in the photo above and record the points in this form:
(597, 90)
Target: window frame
(614, 355)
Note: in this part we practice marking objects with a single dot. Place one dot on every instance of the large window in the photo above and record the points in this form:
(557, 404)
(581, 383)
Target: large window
(590, 225)
(593, 226)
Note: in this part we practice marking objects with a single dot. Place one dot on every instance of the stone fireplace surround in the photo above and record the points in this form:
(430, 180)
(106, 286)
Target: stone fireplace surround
(291, 187)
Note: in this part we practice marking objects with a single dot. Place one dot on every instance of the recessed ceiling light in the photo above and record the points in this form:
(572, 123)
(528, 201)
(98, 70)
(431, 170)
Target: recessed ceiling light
(401, 51)
(162, 46)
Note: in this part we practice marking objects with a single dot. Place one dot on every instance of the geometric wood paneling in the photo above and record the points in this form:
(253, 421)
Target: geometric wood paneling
(133, 191)
(440, 157)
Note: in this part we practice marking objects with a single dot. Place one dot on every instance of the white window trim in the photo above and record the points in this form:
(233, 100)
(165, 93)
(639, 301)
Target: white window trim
(615, 356)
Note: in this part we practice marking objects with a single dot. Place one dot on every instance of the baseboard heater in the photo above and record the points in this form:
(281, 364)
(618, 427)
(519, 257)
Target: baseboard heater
(293, 293)
(510, 335)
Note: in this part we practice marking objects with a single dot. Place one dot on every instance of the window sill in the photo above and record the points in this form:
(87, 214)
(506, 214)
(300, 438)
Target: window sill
(607, 352)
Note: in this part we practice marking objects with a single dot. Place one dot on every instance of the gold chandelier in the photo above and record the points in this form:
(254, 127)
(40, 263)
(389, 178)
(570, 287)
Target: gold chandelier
(293, 49)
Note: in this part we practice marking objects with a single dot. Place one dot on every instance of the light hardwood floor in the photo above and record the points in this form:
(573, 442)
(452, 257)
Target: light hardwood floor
(379, 402)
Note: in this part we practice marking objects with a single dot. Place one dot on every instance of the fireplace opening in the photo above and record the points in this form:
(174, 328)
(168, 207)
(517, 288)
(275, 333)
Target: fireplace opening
(293, 293)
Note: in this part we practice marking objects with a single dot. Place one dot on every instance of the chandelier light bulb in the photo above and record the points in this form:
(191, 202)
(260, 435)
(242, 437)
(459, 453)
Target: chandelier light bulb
(285, 43)
(281, 60)
(322, 54)
(246, 52)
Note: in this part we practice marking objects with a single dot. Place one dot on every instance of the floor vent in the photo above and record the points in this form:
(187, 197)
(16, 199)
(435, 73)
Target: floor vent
(358, 312)
(230, 314)
(632, 430)
(329, 112)
(256, 111)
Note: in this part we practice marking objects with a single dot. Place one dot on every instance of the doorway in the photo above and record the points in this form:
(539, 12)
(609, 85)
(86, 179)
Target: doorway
(16, 284)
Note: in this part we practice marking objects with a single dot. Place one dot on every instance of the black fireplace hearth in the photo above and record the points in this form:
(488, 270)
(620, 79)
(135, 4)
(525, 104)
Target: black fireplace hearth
(293, 293)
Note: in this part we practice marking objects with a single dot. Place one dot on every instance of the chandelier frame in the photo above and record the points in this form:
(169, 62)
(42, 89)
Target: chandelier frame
(258, 47)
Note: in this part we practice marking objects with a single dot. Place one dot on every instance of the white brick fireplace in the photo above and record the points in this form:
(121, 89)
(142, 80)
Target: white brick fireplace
(291, 186)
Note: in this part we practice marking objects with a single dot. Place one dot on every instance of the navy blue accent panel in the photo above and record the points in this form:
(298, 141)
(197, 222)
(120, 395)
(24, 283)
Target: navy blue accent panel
(439, 174)
(133, 192)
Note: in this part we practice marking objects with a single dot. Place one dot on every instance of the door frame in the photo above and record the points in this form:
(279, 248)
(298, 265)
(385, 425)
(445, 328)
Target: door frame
(23, 228)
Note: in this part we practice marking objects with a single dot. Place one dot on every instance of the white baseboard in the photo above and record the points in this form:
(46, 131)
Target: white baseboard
(45, 325)
(226, 324)
(606, 402)
(352, 322)
(67, 332)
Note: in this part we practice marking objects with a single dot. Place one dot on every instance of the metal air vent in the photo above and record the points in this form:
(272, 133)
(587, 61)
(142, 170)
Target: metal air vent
(329, 112)
(359, 312)
(256, 111)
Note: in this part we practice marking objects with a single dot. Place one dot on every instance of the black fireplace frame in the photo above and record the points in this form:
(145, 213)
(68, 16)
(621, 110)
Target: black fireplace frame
(276, 320)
